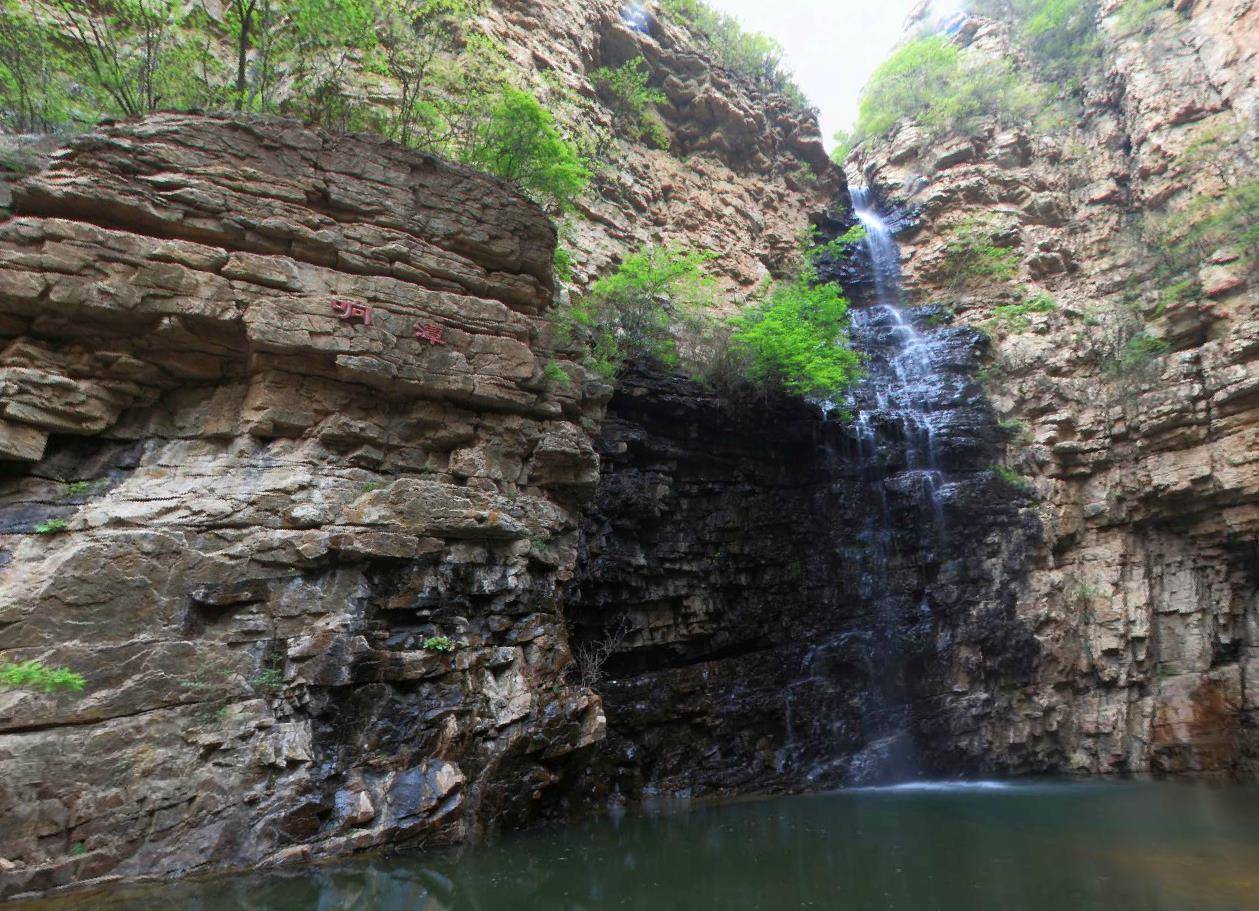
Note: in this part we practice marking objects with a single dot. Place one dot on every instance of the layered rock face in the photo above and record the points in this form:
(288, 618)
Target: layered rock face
(744, 171)
(282, 476)
(774, 601)
(285, 483)
(1144, 595)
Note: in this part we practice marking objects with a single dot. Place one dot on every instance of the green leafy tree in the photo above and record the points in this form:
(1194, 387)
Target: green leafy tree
(931, 82)
(325, 40)
(519, 141)
(630, 314)
(132, 53)
(797, 340)
(33, 95)
(414, 37)
(1060, 36)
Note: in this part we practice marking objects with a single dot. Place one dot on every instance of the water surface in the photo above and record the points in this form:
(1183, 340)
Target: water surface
(917, 847)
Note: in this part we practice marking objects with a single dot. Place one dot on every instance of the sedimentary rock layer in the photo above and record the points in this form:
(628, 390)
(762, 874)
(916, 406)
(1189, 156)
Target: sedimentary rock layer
(1145, 592)
(240, 506)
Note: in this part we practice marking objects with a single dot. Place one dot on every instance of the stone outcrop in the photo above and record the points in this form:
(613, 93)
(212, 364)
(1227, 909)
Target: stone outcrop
(745, 169)
(253, 521)
(310, 565)
(1144, 595)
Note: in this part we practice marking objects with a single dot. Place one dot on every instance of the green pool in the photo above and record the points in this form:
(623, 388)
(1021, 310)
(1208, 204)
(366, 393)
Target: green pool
(929, 847)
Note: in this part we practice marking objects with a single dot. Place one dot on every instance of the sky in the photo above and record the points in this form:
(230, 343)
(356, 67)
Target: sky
(832, 46)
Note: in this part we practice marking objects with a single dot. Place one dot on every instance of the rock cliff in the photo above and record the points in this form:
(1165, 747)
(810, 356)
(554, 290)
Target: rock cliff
(285, 483)
(283, 475)
(1144, 592)
(744, 171)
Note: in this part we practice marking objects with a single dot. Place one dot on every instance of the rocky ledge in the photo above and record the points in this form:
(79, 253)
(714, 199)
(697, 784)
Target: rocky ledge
(282, 478)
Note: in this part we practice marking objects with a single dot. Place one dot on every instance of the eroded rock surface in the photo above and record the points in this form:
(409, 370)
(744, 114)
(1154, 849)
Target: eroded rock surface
(270, 506)
(744, 172)
(1144, 595)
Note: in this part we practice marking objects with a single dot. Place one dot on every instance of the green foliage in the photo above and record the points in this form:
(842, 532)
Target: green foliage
(973, 256)
(814, 250)
(930, 81)
(555, 375)
(269, 679)
(752, 56)
(76, 488)
(1180, 242)
(78, 849)
(797, 339)
(1059, 36)
(413, 39)
(1016, 430)
(1176, 293)
(51, 527)
(625, 89)
(1136, 355)
(442, 644)
(1014, 317)
(563, 262)
(34, 96)
(844, 141)
(657, 305)
(322, 61)
(35, 675)
(1138, 15)
(1012, 478)
(520, 143)
(628, 314)
(133, 57)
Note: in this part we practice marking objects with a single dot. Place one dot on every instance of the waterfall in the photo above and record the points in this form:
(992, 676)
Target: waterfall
(910, 471)
(895, 412)
(904, 385)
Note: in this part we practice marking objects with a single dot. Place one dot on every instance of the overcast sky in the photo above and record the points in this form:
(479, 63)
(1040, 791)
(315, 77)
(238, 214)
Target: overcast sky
(832, 45)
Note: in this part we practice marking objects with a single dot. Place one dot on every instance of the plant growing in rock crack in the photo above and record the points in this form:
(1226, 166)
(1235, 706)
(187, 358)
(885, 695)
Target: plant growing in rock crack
(1015, 430)
(1014, 317)
(589, 658)
(1013, 479)
(563, 264)
(626, 91)
(1137, 356)
(443, 644)
(555, 375)
(51, 527)
(974, 256)
(270, 676)
(76, 488)
(35, 675)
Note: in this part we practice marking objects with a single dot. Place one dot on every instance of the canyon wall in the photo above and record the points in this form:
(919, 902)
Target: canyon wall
(308, 559)
(1144, 594)
(274, 418)
(744, 171)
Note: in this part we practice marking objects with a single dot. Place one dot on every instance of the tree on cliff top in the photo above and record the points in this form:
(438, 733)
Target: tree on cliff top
(414, 70)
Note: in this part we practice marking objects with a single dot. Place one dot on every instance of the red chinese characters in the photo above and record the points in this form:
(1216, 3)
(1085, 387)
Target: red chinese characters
(351, 310)
(429, 332)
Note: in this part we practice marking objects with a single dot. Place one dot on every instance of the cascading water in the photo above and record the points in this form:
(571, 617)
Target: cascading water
(903, 384)
(912, 393)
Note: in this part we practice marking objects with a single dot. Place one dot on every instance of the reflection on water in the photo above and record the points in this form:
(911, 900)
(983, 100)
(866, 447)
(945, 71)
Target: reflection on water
(918, 847)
